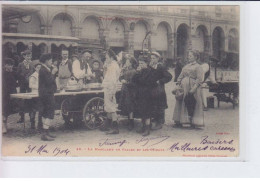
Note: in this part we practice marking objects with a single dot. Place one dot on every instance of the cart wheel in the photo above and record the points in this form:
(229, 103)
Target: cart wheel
(65, 107)
(93, 113)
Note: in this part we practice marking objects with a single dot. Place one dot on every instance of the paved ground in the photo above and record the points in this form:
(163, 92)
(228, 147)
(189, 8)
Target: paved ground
(220, 123)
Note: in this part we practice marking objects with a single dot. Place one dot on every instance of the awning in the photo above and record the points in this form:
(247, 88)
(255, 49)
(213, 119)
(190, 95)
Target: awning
(38, 39)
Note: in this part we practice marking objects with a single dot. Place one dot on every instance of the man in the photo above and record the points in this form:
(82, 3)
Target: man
(47, 88)
(24, 70)
(65, 69)
(81, 68)
(158, 93)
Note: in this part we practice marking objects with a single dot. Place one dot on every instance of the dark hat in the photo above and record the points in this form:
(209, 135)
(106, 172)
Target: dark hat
(26, 52)
(45, 57)
(74, 55)
(8, 61)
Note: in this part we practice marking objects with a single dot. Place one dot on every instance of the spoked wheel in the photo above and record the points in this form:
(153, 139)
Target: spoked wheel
(65, 110)
(93, 113)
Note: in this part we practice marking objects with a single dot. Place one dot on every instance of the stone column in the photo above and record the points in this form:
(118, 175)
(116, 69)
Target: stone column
(170, 51)
(103, 36)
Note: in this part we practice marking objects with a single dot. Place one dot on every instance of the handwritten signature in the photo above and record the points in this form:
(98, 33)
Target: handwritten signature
(152, 140)
(115, 141)
(43, 149)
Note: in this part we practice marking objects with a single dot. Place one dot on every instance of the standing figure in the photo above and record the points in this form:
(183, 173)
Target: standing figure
(162, 76)
(97, 72)
(65, 69)
(178, 67)
(81, 69)
(24, 70)
(207, 77)
(110, 82)
(127, 96)
(34, 86)
(8, 87)
(47, 88)
(144, 82)
(190, 81)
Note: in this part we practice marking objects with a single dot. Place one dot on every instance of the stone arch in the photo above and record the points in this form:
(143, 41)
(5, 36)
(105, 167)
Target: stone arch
(117, 36)
(146, 23)
(93, 16)
(201, 39)
(90, 27)
(218, 42)
(62, 29)
(183, 36)
(122, 20)
(165, 23)
(233, 40)
(72, 18)
(140, 31)
(161, 38)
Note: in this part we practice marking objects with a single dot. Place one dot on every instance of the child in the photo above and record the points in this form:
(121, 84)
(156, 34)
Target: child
(47, 88)
(97, 72)
(34, 86)
(9, 87)
(110, 82)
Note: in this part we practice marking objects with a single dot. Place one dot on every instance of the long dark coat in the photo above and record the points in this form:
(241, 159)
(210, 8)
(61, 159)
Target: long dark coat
(47, 88)
(144, 82)
(158, 92)
(8, 87)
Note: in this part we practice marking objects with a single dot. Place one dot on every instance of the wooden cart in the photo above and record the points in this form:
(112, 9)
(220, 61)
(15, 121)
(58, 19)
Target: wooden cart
(86, 106)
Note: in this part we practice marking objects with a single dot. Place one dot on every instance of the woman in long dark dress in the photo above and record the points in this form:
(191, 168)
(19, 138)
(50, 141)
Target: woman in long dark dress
(127, 96)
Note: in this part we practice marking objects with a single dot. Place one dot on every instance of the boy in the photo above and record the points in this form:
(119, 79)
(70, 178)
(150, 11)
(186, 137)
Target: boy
(47, 88)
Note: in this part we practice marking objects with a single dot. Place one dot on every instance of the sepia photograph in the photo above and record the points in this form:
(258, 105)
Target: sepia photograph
(120, 81)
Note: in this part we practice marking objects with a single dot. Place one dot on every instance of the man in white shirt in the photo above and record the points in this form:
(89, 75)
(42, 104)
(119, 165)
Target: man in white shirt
(81, 68)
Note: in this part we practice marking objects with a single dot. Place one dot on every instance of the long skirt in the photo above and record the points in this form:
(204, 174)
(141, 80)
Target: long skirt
(127, 99)
(180, 114)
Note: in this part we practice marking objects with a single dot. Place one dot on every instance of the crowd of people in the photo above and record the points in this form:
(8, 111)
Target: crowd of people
(142, 94)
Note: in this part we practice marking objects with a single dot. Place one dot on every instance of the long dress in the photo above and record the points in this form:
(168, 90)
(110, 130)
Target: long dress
(127, 96)
(191, 75)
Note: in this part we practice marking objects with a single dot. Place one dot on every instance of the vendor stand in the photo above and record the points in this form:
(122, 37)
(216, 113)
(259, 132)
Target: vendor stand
(86, 105)
(227, 78)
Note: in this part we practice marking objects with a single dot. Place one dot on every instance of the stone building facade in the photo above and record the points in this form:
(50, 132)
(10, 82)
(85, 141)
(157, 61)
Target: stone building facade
(212, 30)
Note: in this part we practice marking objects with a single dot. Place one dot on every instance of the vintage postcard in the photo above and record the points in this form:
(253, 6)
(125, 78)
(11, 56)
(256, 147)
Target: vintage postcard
(120, 80)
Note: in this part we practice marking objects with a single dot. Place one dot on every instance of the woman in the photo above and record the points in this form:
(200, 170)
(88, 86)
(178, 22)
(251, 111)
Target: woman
(110, 82)
(190, 81)
(207, 77)
(127, 97)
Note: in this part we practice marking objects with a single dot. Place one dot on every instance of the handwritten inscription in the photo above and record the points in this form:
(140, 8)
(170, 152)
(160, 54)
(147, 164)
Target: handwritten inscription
(43, 149)
(110, 142)
(151, 141)
(205, 144)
